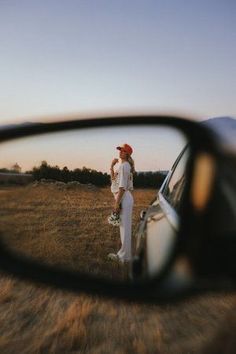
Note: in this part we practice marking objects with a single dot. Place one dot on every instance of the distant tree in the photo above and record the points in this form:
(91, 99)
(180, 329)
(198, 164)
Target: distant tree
(65, 174)
(44, 163)
(149, 179)
(16, 168)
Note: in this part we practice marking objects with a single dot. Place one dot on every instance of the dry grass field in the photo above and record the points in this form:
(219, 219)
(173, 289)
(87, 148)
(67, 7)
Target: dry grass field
(60, 226)
(65, 226)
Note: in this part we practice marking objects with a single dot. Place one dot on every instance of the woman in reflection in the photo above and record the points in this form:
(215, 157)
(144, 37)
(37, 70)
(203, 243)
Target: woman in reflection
(121, 187)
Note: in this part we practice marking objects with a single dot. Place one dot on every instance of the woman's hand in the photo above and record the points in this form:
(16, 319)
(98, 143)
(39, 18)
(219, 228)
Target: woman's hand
(114, 162)
(116, 207)
(113, 175)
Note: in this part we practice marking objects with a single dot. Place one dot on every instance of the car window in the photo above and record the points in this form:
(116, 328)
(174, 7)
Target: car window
(174, 188)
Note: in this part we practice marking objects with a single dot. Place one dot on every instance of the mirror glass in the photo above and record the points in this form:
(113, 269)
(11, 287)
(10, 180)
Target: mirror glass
(61, 205)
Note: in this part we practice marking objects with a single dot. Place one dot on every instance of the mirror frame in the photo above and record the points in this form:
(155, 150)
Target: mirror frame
(155, 289)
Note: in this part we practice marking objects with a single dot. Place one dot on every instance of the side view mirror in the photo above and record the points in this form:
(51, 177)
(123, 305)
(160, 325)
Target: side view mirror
(145, 230)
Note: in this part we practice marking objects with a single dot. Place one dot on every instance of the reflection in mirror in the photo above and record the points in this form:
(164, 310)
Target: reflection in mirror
(163, 222)
(58, 194)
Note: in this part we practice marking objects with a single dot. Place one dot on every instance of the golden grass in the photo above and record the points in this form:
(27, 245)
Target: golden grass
(67, 228)
(37, 319)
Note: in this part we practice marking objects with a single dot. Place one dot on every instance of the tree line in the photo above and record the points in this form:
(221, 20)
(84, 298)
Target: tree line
(14, 169)
(87, 175)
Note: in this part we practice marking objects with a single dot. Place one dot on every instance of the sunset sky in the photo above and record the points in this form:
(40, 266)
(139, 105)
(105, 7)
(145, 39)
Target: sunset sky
(63, 58)
(154, 148)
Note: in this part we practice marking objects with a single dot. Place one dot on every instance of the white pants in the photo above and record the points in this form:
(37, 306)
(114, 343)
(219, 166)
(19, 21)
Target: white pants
(126, 226)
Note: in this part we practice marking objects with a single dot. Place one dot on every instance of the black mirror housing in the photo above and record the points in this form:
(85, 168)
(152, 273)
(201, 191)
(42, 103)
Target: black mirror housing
(169, 284)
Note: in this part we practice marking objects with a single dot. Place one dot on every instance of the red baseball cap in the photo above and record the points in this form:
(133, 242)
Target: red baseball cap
(126, 148)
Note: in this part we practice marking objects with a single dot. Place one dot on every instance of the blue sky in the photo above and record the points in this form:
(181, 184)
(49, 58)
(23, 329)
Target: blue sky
(62, 58)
